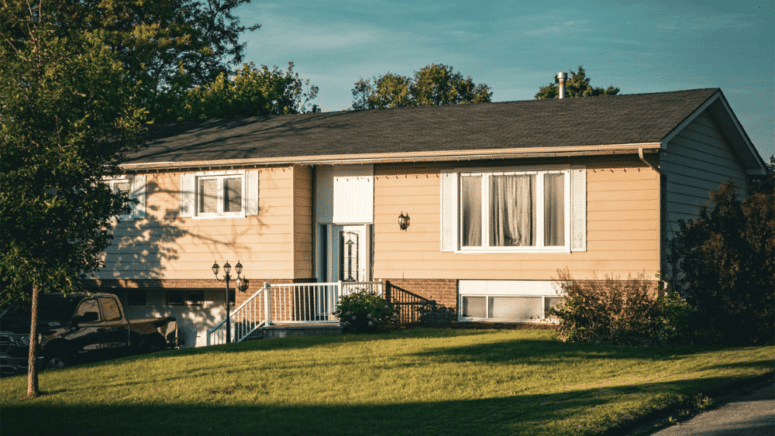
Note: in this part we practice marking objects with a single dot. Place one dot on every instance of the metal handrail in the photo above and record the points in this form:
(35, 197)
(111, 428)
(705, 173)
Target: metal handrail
(290, 303)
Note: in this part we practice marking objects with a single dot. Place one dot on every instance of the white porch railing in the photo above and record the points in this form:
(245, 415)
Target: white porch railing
(296, 303)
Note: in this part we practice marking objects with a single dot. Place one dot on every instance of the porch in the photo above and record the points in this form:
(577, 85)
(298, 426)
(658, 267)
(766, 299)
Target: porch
(280, 310)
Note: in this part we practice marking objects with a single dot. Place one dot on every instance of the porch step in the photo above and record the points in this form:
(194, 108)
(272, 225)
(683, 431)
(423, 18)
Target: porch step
(276, 331)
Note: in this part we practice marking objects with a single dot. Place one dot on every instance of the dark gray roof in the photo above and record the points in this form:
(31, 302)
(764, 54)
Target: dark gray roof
(622, 119)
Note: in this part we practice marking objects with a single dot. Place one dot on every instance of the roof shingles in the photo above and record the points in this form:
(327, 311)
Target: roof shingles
(623, 119)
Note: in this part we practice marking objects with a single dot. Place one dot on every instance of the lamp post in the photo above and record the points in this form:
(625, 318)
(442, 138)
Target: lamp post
(227, 278)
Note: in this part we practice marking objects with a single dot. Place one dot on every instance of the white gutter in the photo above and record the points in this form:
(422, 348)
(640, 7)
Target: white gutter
(513, 153)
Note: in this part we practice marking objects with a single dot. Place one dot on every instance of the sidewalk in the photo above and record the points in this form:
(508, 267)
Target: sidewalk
(750, 414)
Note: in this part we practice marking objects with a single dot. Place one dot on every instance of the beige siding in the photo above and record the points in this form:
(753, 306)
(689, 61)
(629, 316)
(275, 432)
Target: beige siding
(697, 160)
(622, 236)
(165, 245)
(302, 221)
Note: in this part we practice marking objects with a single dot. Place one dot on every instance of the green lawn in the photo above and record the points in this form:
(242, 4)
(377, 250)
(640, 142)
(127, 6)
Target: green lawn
(412, 382)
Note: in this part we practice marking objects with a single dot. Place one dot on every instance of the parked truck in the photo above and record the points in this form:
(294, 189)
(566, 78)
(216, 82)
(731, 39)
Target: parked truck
(77, 328)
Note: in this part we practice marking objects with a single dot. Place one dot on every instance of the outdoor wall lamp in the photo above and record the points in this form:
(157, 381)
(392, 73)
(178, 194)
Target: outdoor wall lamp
(403, 221)
(242, 285)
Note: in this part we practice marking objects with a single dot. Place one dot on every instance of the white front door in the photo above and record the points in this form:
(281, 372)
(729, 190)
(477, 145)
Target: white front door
(348, 256)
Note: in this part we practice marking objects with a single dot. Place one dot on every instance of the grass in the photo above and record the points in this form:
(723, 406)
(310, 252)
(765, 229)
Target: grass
(412, 382)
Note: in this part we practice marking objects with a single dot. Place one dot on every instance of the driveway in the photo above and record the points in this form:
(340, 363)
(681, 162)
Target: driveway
(749, 414)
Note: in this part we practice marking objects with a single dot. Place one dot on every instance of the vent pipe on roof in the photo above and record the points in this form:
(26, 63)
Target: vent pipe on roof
(561, 78)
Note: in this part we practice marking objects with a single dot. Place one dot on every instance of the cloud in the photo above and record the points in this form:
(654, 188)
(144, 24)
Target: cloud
(565, 27)
(731, 21)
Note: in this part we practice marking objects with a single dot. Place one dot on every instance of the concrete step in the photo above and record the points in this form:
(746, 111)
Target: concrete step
(276, 331)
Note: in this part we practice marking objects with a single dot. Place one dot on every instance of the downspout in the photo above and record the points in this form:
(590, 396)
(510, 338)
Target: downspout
(662, 218)
(643, 158)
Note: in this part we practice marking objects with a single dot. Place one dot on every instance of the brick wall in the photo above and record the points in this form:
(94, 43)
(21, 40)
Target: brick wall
(443, 291)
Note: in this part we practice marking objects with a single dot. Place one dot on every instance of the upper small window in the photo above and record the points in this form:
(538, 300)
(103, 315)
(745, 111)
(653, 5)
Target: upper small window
(220, 196)
(123, 186)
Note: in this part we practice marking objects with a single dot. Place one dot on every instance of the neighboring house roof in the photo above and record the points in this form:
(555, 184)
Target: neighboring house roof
(580, 125)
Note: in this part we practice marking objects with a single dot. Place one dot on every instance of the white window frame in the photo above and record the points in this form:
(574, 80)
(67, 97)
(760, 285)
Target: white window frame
(219, 175)
(544, 313)
(539, 172)
(123, 179)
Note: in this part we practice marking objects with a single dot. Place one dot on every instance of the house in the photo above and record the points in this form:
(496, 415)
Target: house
(498, 196)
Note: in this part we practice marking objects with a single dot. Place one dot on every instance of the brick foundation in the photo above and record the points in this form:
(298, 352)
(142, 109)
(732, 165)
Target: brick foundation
(443, 291)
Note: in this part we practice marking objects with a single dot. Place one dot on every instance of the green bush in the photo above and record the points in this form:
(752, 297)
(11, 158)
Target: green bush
(362, 312)
(623, 312)
(726, 265)
(436, 314)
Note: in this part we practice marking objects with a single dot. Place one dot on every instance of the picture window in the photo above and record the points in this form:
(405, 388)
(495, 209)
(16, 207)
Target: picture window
(514, 210)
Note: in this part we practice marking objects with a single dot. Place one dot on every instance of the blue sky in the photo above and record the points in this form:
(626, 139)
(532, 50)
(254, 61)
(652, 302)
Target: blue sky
(516, 47)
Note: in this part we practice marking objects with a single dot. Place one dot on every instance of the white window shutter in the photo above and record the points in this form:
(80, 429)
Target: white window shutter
(187, 203)
(138, 193)
(578, 204)
(251, 194)
(449, 210)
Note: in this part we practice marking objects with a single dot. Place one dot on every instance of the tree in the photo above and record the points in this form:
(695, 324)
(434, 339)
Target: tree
(250, 92)
(166, 47)
(726, 265)
(437, 85)
(361, 93)
(577, 86)
(433, 85)
(68, 108)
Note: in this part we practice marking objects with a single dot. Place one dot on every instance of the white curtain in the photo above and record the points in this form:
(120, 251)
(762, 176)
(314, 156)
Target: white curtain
(471, 204)
(512, 213)
(554, 209)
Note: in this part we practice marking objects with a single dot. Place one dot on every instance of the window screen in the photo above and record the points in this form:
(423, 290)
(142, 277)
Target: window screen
(208, 196)
(552, 302)
(232, 195)
(471, 205)
(554, 209)
(516, 308)
(475, 307)
(512, 210)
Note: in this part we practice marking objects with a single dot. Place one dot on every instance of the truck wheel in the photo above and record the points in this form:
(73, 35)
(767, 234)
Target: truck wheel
(55, 361)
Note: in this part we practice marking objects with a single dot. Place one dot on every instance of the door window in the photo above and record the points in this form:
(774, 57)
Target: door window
(89, 307)
(349, 248)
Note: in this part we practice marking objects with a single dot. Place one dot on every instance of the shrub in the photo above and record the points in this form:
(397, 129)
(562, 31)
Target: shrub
(614, 311)
(726, 265)
(364, 312)
(436, 314)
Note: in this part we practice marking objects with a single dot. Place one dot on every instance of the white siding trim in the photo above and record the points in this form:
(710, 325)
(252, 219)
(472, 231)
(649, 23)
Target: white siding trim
(578, 202)
(449, 194)
(251, 193)
(138, 192)
(187, 195)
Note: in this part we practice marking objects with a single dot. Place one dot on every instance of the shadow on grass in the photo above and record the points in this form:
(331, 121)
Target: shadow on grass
(240, 410)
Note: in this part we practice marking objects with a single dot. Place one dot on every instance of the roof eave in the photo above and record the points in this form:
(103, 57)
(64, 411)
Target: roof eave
(435, 156)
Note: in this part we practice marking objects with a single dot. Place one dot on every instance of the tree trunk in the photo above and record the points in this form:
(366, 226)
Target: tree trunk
(32, 370)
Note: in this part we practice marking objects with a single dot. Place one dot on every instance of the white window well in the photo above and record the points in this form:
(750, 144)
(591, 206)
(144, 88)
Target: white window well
(507, 308)
(514, 210)
(508, 300)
